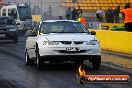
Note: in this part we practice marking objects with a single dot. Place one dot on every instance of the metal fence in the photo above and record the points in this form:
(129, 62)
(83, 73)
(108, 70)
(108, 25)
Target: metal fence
(48, 9)
(53, 9)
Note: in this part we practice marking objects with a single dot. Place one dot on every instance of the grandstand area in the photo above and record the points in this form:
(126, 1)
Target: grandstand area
(95, 4)
(53, 9)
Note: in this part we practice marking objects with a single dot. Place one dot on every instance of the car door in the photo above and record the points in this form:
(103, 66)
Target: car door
(31, 42)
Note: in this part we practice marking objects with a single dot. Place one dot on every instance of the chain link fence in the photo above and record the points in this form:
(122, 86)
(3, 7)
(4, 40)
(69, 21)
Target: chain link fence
(48, 9)
(54, 9)
(51, 9)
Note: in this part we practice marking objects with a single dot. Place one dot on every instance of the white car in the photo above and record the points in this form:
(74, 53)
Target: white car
(62, 40)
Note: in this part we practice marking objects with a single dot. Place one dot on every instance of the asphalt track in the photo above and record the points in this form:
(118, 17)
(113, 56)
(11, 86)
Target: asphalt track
(15, 74)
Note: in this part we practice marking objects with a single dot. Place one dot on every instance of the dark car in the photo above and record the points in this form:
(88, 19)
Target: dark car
(8, 28)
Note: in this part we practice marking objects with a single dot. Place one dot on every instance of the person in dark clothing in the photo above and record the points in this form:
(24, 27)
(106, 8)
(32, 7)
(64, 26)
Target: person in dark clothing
(74, 14)
(68, 13)
(79, 12)
(116, 15)
(110, 15)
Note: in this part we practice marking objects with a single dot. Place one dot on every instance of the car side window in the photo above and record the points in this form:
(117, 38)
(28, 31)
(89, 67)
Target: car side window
(45, 29)
(4, 12)
(12, 12)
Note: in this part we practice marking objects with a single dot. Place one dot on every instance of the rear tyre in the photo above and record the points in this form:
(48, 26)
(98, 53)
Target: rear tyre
(28, 61)
(39, 61)
(96, 62)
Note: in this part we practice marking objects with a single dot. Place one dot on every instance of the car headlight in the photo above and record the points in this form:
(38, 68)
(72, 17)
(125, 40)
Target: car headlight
(56, 43)
(45, 43)
(50, 43)
(92, 42)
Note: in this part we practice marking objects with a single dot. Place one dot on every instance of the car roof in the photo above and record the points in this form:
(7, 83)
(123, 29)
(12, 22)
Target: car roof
(59, 21)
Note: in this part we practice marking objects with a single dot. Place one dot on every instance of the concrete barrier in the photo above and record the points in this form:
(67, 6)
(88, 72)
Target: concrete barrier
(118, 41)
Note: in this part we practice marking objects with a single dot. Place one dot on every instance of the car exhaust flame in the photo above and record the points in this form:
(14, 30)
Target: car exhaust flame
(81, 71)
(81, 75)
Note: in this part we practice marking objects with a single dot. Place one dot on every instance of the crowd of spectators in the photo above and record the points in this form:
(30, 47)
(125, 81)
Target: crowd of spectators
(73, 14)
(110, 15)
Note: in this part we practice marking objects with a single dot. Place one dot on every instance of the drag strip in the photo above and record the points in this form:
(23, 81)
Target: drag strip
(15, 74)
(51, 76)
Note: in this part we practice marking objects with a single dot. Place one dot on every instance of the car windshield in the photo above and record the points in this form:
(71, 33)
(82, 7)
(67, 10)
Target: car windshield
(63, 27)
(7, 21)
(24, 12)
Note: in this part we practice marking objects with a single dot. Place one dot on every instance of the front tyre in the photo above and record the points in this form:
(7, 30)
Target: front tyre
(39, 61)
(96, 62)
(28, 61)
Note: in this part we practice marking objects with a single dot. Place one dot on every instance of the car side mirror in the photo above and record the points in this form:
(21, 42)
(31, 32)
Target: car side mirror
(17, 23)
(93, 33)
(33, 34)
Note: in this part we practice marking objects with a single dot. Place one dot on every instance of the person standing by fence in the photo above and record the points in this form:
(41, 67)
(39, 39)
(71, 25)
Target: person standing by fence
(116, 15)
(82, 20)
(74, 14)
(79, 12)
(68, 13)
(99, 15)
(127, 13)
(109, 15)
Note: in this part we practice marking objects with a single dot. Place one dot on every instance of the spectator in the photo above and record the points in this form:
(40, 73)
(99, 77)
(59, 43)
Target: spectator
(79, 12)
(127, 17)
(110, 15)
(74, 14)
(82, 20)
(99, 15)
(45, 15)
(116, 15)
(118, 7)
(49, 15)
(68, 13)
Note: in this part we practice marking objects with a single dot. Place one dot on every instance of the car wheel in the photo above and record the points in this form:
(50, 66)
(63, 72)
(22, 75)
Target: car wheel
(39, 61)
(96, 62)
(28, 61)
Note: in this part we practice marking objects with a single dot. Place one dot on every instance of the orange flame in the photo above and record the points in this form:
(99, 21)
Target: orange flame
(81, 71)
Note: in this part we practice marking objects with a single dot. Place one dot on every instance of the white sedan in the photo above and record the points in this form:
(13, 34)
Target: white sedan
(62, 40)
